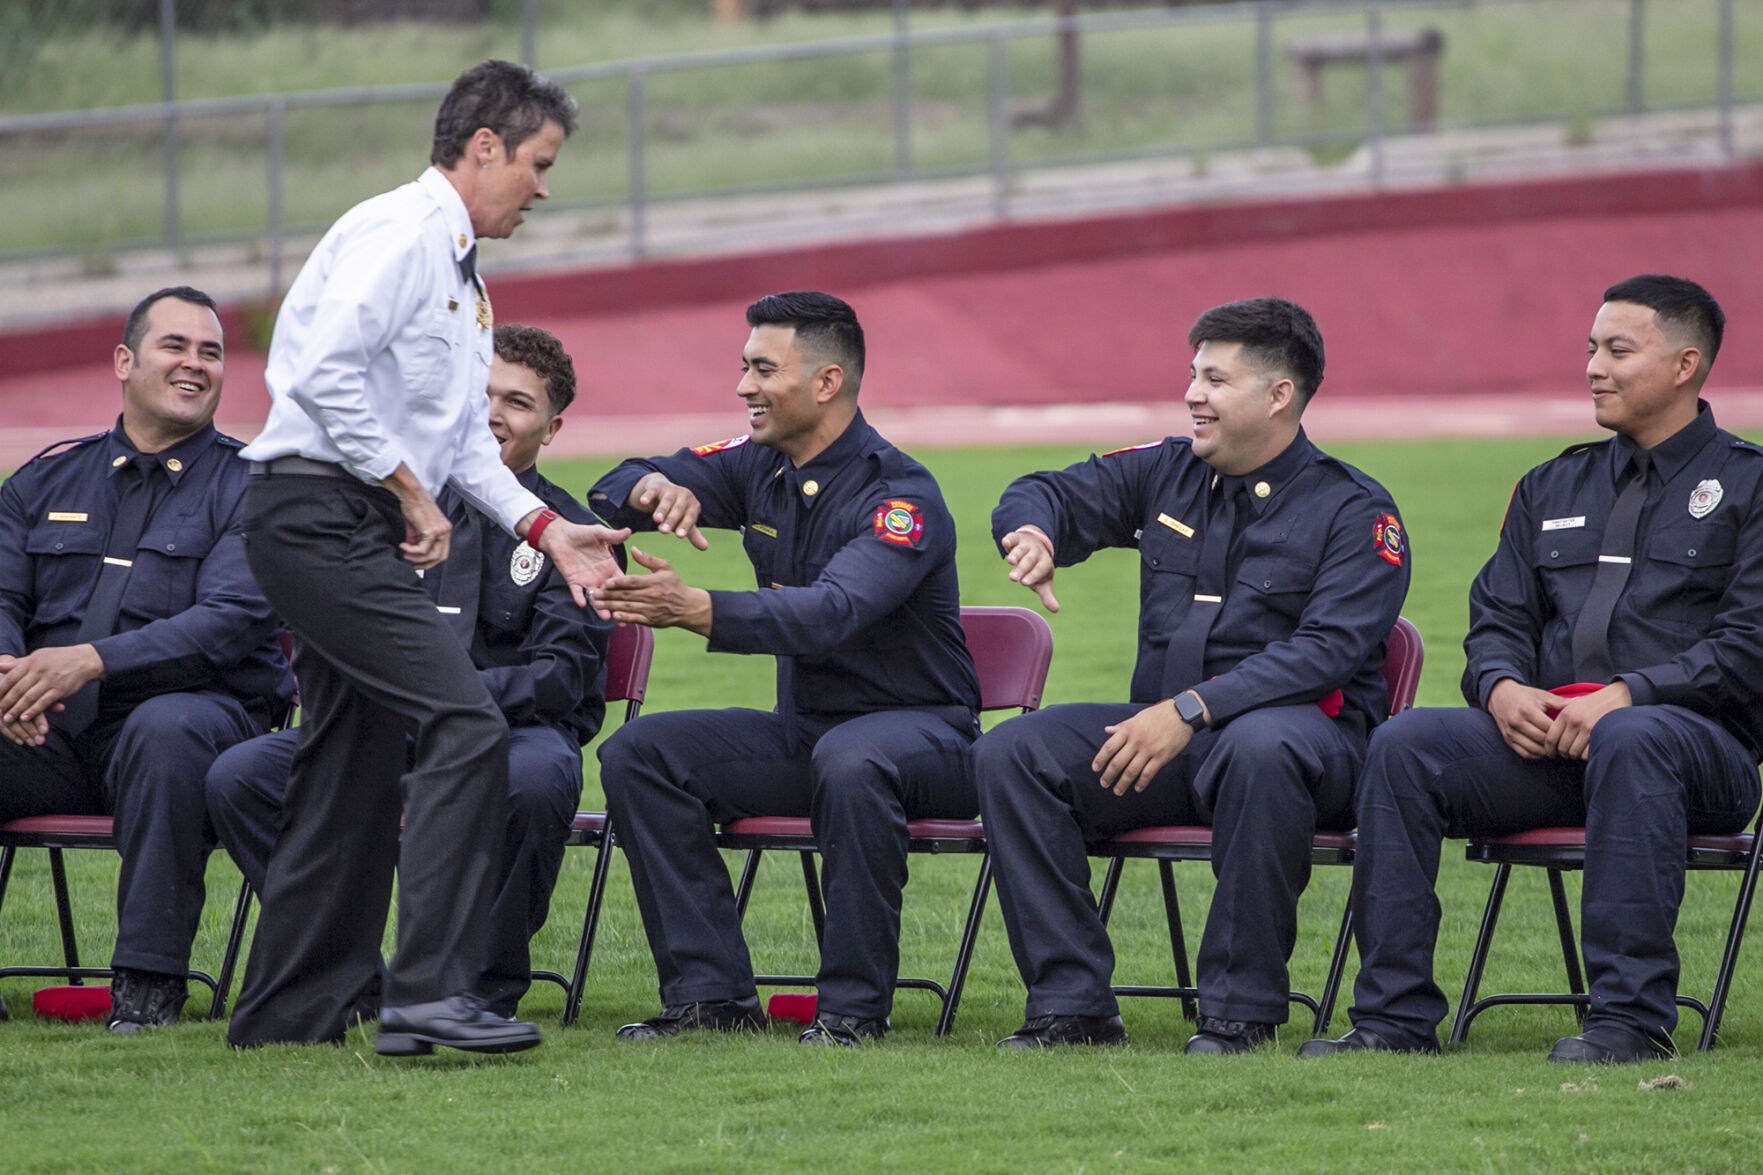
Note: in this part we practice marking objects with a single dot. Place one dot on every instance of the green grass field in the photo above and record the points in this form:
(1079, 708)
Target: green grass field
(75, 1098)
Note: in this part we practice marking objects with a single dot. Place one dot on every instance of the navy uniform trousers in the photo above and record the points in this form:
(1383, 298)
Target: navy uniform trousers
(377, 666)
(144, 766)
(670, 777)
(1264, 783)
(247, 787)
(1652, 776)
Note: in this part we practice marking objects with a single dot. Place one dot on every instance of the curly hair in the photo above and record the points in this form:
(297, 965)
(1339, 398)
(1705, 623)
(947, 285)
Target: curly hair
(539, 352)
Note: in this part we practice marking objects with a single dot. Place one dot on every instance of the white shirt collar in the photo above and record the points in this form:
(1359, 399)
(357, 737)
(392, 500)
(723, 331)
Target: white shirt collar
(442, 191)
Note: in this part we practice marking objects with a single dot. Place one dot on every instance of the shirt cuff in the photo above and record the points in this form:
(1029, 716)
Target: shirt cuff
(1640, 690)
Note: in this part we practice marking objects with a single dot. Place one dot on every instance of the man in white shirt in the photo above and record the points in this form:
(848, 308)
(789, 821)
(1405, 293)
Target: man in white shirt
(377, 373)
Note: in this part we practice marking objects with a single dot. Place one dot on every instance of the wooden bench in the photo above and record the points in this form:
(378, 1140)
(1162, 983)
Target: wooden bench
(1418, 49)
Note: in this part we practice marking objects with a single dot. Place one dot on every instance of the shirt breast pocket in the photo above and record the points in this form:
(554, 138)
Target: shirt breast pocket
(168, 563)
(1687, 570)
(1168, 565)
(433, 338)
(1280, 589)
(1566, 563)
(506, 606)
(761, 550)
(64, 559)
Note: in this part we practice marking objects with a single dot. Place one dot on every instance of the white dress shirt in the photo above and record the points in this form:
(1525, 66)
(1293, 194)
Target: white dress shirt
(379, 358)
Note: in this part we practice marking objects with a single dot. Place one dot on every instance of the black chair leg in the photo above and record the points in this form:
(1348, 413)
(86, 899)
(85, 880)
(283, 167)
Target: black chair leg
(1478, 961)
(584, 951)
(1735, 937)
(1178, 943)
(976, 911)
(816, 901)
(1337, 970)
(235, 942)
(1110, 886)
(1569, 943)
(749, 873)
(70, 950)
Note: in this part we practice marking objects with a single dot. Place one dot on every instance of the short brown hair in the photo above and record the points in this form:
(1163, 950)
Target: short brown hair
(510, 99)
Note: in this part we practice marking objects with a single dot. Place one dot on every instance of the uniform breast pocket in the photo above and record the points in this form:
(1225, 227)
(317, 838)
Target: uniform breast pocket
(64, 559)
(505, 607)
(1168, 563)
(1566, 563)
(167, 565)
(760, 542)
(1687, 570)
(431, 340)
(1280, 589)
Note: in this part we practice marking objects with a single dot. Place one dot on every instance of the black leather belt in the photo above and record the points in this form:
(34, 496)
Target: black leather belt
(299, 467)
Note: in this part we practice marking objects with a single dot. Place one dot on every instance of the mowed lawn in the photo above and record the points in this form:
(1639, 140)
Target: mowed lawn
(75, 1098)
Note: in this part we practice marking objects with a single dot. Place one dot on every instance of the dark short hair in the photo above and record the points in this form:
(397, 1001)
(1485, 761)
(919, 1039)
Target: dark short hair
(1677, 302)
(136, 325)
(510, 99)
(822, 321)
(1274, 333)
(539, 351)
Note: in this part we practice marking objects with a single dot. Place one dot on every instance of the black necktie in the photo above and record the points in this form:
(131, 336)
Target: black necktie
(1591, 633)
(783, 572)
(134, 503)
(468, 266)
(1185, 663)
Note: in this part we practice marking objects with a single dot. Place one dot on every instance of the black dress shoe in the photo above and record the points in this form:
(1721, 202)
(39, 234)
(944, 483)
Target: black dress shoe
(845, 1032)
(144, 999)
(1364, 1040)
(715, 1015)
(1045, 1032)
(457, 1022)
(1227, 1037)
(1607, 1044)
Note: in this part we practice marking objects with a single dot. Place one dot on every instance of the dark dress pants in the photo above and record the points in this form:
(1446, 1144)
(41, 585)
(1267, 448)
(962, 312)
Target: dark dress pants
(376, 666)
(1652, 776)
(670, 778)
(1264, 783)
(144, 766)
(248, 784)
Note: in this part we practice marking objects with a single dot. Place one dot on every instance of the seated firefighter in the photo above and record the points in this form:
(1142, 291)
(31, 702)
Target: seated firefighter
(541, 657)
(135, 645)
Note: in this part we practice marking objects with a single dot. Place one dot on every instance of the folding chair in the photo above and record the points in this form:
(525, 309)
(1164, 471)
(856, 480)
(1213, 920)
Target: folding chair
(1558, 850)
(1012, 649)
(628, 657)
(1167, 844)
(56, 834)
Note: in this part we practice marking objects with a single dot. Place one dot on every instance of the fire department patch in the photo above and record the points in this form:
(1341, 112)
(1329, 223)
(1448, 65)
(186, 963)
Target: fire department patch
(900, 522)
(1387, 537)
(719, 446)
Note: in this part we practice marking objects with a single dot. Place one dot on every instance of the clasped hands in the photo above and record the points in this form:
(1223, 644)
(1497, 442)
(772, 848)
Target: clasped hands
(32, 686)
(1540, 725)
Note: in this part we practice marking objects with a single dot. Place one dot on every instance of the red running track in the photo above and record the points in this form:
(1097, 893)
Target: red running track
(1455, 311)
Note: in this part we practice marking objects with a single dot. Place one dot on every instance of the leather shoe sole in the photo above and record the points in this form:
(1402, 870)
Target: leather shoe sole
(1362, 1040)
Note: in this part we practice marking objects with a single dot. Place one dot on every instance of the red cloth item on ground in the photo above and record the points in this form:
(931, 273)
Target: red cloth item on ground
(72, 1002)
(793, 1005)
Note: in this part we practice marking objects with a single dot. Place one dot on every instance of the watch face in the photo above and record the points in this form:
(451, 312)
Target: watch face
(1189, 709)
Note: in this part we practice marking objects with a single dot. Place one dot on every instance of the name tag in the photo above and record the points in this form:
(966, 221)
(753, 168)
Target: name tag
(67, 516)
(119, 562)
(765, 530)
(446, 610)
(1563, 523)
(1181, 528)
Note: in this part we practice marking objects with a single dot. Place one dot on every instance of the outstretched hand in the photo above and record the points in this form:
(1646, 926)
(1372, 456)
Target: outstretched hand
(674, 508)
(657, 600)
(583, 554)
(1031, 564)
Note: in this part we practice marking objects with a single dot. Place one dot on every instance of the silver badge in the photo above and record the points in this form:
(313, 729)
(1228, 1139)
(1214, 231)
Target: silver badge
(525, 566)
(1705, 497)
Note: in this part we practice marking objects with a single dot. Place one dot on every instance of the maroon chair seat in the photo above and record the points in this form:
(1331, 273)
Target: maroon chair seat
(1559, 850)
(1167, 844)
(1012, 649)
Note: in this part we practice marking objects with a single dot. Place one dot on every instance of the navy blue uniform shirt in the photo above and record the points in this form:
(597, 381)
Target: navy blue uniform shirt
(191, 618)
(542, 658)
(1321, 569)
(1688, 627)
(854, 554)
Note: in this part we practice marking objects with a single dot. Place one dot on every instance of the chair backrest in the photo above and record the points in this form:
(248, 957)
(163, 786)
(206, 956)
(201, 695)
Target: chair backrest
(1401, 665)
(1012, 649)
(628, 655)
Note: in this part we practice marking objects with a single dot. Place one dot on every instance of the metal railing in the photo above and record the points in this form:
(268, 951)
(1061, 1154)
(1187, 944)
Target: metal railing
(638, 76)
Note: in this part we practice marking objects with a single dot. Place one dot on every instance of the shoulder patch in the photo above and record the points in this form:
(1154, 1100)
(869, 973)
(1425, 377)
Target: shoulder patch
(1388, 540)
(719, 446)
(1134, 448)
(60, 447)
(899, 521)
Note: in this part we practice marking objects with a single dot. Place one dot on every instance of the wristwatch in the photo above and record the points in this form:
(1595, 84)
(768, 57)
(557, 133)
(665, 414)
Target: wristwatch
(1190, 709)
